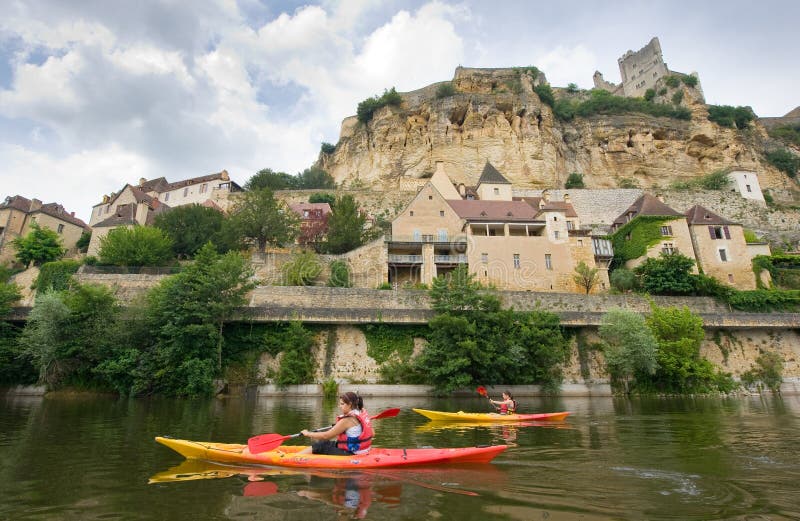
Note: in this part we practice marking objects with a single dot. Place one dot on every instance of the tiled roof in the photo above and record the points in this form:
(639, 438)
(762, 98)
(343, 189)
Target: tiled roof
(699, 215)
(299, 207)
(124, 215)
(646, 205)
(196, 180)
(54, 210)
(490, 175)
(153, 185)
(551, 206)
(508, 211)
(17, 202)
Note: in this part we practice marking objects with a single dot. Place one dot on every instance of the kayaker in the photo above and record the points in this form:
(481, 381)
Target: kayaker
(351, 434)
(508, 405)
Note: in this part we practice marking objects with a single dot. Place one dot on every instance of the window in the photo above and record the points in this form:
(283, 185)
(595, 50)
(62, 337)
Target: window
(748, 188)
(555, 217)
(555, 235)
(411, 213)
(430, 198)
(166, 196)
(485, 258)
(305, 214)
(719, 232)
(730, 277)
(668, 248)
(442, 235)
(441, 213)
(666, 231)
(548, 261)
(723, 255)
(203, 188)
(516, 260)
(60, 228)
(570, 225)
(496, 191)
(186, 191)
(416, 235)
(580, 242)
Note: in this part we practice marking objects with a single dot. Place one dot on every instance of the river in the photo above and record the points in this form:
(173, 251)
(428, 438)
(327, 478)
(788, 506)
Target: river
(88, 457)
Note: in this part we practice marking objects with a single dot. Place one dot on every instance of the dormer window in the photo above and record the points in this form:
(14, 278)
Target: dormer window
(483, 214)
(509, 214)
(496, 191)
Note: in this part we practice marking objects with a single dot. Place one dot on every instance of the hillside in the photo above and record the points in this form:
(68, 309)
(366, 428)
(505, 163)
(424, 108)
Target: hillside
(496, 115)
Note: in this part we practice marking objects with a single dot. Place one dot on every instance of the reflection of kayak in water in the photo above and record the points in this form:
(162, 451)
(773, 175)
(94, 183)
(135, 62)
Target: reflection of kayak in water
(490, 417)
(443, 478)
(287, 456)
(437, 425)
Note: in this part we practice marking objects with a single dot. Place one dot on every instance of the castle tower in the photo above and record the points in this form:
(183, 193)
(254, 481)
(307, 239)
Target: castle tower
(641, 69)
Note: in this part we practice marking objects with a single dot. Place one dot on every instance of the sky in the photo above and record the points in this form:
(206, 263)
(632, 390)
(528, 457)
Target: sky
(98, 93)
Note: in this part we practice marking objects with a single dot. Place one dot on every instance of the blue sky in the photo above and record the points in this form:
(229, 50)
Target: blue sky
(97, 93)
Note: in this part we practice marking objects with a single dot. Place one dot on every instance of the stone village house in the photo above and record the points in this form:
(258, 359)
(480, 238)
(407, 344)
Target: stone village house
(18, 213)
(529, 243)
(140, 204)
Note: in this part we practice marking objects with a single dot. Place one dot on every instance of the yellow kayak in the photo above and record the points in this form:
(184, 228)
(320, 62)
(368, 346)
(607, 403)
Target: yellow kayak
(490, 417)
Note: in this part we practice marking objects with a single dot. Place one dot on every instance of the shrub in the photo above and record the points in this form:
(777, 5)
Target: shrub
(784, 161)
(662, 91)
(627, 182)
(83, 242)
(677, 98)
(629, 346)
(40, 245)
(717, 180)
(623, 280)
(572, 88)
(303, 269)
(649, 94)
(136, 246)
(603, 102)
(672, 81)
(445, 90)
(750, 236)
(322, 198)
(787, 133)
(297, 363)
(340, 275)
(545, 94)
(768, 370)
(732, 117)
(327, 148)
(574, 180)
(669, 274)
(368, 107)
(690, 80)
(55, 276)
(384, 285)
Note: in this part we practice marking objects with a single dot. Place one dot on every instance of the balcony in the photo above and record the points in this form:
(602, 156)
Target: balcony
(405, 259)
(419, 239)
(450, 259)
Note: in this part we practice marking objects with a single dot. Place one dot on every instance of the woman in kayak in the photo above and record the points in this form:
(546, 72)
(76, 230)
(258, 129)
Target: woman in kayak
(351, 434)
(508, 405)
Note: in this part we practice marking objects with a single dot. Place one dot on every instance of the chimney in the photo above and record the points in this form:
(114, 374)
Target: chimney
(72, 214)
(105, 199)
(224, 175)
(440, 167)
(567, 199)
(546, 196)
(142, 180)
(35, 204)
(660, 197)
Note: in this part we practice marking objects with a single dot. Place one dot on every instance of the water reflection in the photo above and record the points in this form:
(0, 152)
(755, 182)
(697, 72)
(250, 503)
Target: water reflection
(349, 493)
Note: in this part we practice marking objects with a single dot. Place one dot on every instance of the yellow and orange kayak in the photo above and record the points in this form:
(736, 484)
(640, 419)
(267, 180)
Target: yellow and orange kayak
(490, 417)
(287, 456)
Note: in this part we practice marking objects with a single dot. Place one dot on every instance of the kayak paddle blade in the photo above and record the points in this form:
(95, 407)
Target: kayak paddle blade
(388, 413)
(265, 442)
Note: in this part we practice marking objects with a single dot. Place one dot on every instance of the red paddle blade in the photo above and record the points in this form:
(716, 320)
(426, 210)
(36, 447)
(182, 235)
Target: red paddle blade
(388, 413)
(260, 488)
(482, 390)
(265, 442)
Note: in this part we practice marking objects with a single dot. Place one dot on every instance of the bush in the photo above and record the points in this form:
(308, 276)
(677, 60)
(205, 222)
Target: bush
(623, 280)
(672, 81)
(669, 274)
(649, 94)
(603, 102)
(297, 363)
(384, 285)
(627, 182)
(750, 236)
(787, 133)
(55, 276)
(303, 269)
(340, 275)
(784, 161)
(574, 180)
(368, 107)
(731, 117)
(545, 94)
(322, 198)
(662, 91)
(768, 371)
(40, 245)
(136, 246)
(717, 180)
(677, 98)
(572, 88)
(690, 80)
(327, 148)
(83, 242)
(445, 90)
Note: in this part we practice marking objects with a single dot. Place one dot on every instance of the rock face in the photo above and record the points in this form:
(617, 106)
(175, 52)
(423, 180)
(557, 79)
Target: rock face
(496, 115)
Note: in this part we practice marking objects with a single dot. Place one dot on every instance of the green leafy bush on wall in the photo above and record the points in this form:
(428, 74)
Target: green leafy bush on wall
(732, 117)
(445, 90)
(385, 341)
(603, 102)
(54, 276)
(633, 238)
(784, 161)
(368, 107)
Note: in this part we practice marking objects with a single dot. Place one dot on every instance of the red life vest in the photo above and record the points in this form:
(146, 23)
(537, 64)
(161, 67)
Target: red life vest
(362, 443)
(504, 409)
(357, 491)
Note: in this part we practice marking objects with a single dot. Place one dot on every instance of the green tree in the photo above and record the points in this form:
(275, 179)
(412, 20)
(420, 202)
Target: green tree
(257, 216)
(189, 227)
(629, 346)
(445, 90)
(83, 242)
(767, 370)
(297, 362)
(136, 246)
(784, 160)
(669, 274)
(268, 178)
(40, 245)
(572, 88)
(623, 280)
(311, 178)
(303, 269)
(9, 294)
(14, 369)
(327, 148)
(586, 277)
(340, 274)
(345, 226)
(649, 94)
(42, 337)
(368, 107)
(187, 312)
(458, 291)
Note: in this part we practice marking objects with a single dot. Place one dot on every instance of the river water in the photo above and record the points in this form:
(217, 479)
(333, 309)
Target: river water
(79, 457)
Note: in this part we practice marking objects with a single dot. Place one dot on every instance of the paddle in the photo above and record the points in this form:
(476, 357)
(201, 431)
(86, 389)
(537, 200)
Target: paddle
(267, 442)
(482, 391)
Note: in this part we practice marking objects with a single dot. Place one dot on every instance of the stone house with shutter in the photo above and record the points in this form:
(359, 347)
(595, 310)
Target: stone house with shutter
(313, 221)
(529, 243)
(18, 213)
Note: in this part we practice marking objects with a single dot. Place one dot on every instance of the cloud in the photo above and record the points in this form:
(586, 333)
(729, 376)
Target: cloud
(564, 65)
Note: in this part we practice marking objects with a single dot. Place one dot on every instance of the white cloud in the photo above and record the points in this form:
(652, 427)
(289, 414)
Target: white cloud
(564, 65)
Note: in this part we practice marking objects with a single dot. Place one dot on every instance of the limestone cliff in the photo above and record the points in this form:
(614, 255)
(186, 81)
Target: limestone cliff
(495, 115)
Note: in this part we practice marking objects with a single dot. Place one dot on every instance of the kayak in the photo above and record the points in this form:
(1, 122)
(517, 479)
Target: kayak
(287, 456)
(490, 417)
(438, 425)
